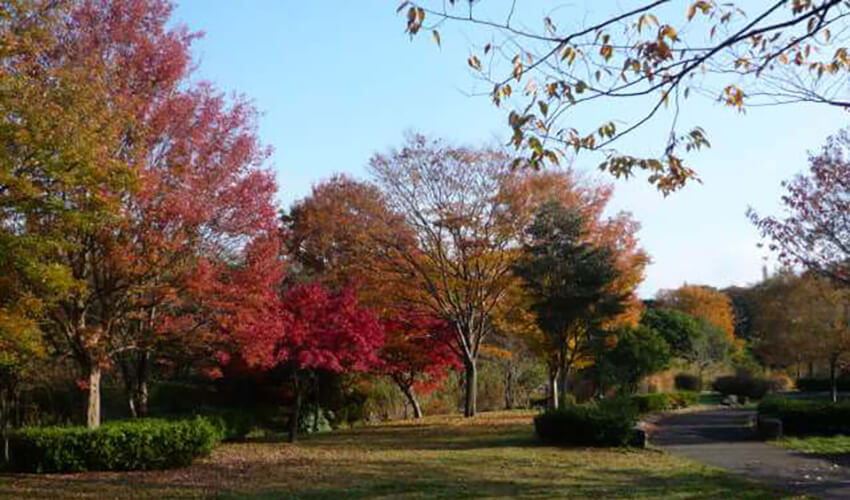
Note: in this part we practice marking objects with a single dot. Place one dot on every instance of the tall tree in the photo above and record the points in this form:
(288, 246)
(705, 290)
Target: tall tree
(581, 79)
(704, 303)
(803, 318)
(159, 176)
(454, 201)
(568, 278)
(815, 231)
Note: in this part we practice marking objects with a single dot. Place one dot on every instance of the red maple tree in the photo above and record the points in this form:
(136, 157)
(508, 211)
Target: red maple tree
(417, 354)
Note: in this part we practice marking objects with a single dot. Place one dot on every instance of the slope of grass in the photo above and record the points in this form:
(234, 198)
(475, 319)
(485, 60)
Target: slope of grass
(493, 456)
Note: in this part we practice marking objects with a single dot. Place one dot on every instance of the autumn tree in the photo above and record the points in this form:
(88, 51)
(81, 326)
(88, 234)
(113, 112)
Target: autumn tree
(309, 328)
(703, 303)
(804, 317)
(815, 231)
(453, 200)
(778, 323)
(417, 354)
(582, 81)
(337, 236)
(146, 175)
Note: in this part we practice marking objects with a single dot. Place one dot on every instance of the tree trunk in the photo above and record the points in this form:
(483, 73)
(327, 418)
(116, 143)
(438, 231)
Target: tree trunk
(410, 395)
(553, 389)
(509, 387)
(564, 385)
(811, 369)
(93, 397)
(833, 379)
(471, 389)
(317, 409)
(296, 408)
(142, 374)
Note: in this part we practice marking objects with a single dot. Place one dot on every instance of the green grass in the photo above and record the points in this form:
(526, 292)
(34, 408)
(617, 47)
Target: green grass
(492, 456)
(826, 445)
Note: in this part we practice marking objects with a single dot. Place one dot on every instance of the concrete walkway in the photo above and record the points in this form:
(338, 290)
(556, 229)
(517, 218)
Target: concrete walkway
(722, 438)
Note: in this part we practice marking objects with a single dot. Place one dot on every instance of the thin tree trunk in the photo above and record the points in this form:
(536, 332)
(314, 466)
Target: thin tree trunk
(564, 386)
(317, 410)
(509, 387)
(93, 397)
(811, 369)
(554, 403)
(471, 392)
(296, 408)
(833, 379)
(142, 374)
(129, 386)
(410, 396)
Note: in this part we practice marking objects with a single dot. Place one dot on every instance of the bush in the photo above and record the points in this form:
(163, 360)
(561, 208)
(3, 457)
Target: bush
(126, 445)
(648, 403)
(687, 382)
(314, 419)
(230, 424)
(800, 417)
(608, 423)
(741, 385)
(810, 384)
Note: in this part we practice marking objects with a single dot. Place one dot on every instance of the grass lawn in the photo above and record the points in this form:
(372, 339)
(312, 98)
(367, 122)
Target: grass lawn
(493, 456)
(821, 445)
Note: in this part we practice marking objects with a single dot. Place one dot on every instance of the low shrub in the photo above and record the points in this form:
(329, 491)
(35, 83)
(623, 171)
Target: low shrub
(648, 403)
(314, 419)
(126, 445)
(812, 384)
(607, 423)
(231, 424)
(687, 382)
(748, 386)
(802, 417)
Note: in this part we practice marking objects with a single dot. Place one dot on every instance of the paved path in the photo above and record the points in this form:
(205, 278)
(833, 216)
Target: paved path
(723, 438)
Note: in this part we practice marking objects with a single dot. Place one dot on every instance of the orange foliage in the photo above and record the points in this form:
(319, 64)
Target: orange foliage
(702, 302)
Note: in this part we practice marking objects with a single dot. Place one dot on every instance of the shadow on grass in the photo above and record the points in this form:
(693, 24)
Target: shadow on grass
(414, 481)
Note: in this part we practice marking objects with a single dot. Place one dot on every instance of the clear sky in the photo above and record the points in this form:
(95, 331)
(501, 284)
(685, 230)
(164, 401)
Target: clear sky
(339, 80)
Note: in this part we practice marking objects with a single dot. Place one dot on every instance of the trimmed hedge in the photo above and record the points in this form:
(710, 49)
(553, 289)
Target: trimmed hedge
(608, 423)
(687, 382)
(801, 417)
(648, 403)
(808, 384)
(127, 445)
(742, 386)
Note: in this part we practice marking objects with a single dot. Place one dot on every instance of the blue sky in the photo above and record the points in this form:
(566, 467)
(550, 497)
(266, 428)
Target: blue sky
(337, 81)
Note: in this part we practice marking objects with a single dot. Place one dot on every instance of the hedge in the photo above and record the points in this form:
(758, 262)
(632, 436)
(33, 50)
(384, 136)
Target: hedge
(127, 445)
(801, 417)
(648, 403)
(687, 382)
(608, 423)
(809, 384)
(750, 387)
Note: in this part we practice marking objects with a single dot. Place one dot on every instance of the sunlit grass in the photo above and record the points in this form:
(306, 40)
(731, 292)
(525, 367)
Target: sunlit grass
(492, 456)
(831, 445)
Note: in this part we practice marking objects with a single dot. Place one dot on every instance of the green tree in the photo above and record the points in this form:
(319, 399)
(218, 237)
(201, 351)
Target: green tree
(568, 279)
(678, 329)
(638, 352)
